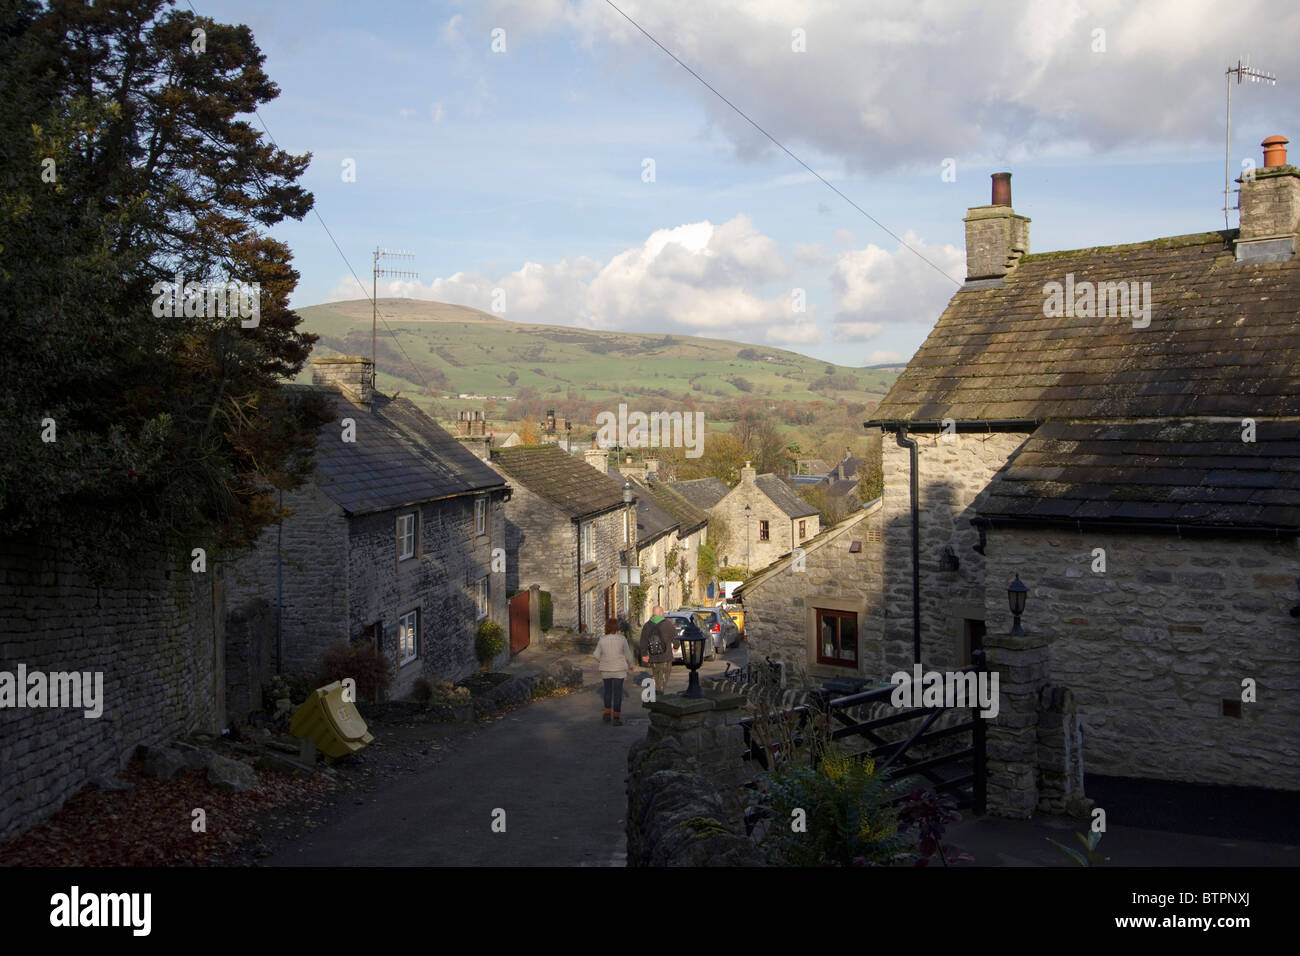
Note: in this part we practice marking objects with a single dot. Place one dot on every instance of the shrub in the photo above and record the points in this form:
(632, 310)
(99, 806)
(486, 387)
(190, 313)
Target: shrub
(293, 686)
(362, 662)
(546, 611)
(847, 810)
(422, 691)
(489, 642)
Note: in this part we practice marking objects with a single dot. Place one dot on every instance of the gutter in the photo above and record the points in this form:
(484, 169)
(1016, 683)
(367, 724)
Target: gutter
(1133, 525)
(910, 444)
(964, 425)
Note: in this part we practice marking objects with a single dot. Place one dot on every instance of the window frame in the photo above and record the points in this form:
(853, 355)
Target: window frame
(803, 526)
(480, 516)
(588, 535)
(838, 660)
(764, 530)
(482, 598)
(403, 658)
(401, 536)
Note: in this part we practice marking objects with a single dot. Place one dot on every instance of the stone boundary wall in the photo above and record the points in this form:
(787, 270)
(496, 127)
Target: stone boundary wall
(158, 641)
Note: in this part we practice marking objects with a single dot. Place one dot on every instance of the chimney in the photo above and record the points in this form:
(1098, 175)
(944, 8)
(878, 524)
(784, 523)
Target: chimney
(353, 375)
(996, 237)
(1269, 207)
(747, 474)
(598, 458)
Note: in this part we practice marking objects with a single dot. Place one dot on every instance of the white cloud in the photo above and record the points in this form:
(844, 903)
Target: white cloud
(873, 286)
(882, 356)
(436, 113)
(912, 83)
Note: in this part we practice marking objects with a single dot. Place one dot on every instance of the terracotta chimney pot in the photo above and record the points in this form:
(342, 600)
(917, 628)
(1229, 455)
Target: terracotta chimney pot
(1274, 151)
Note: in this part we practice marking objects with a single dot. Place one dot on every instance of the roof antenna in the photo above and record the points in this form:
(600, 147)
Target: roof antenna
(381, 253)
(1241, 71)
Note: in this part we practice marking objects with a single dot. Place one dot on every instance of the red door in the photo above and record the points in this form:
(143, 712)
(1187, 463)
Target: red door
(519, 635)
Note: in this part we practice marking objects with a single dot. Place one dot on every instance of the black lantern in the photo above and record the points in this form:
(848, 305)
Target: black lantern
(1016, 594)
(692, 641)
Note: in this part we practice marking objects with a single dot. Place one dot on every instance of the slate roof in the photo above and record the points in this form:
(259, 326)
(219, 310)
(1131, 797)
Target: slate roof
(784, 497)
(1223, 340)
(688, 517)
(553, 474)
(400, 457)
(814, 466)
(703, 493)
(848, 468)
(1194, 474)
(651, 520)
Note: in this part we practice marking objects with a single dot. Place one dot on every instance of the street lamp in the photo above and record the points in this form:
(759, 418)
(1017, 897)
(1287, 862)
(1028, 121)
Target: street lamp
(692, 641)
(1016, 594)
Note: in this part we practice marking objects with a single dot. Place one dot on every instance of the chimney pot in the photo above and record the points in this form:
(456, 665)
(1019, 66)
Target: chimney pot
(1001, 189)
(1274, 151)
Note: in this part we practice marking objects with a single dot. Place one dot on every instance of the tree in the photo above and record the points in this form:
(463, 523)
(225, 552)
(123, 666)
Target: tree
(529, 432)
(722, 458)
(167, 432)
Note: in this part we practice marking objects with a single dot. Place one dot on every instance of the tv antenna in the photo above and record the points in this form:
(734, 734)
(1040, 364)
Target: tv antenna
(1242, 71)
(381, 253)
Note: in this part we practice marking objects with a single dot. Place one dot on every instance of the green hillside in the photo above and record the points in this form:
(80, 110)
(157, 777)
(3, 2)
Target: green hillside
(446, 350)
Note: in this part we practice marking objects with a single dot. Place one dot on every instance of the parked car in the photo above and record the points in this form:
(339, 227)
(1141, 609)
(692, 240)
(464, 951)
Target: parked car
(719, 623)
(737, 614)
(687, 619)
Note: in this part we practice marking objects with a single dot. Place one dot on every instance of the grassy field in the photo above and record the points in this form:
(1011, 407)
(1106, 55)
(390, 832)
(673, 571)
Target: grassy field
(450, 349)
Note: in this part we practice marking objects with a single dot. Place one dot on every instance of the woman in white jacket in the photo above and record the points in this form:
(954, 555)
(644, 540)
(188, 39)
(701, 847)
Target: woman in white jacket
(615, 660)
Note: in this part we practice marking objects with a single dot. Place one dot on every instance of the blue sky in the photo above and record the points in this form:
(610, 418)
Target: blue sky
(522, 169)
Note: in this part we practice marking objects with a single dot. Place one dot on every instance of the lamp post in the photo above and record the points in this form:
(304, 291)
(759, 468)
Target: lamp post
(1016, 594)
(746, 539)
(692, 641)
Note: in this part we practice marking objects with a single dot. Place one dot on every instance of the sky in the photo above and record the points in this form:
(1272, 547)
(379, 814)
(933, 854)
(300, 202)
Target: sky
(545, 160)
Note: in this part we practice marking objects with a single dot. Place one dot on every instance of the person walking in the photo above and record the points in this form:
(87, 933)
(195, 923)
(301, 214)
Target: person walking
(656, 648)
(615, 660)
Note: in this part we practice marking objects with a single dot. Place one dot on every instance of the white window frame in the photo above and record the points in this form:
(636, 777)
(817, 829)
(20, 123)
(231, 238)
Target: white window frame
(481, 598)
(408, 632)
(588, 542)
(480, 516)
(407, 528)
(587, 600)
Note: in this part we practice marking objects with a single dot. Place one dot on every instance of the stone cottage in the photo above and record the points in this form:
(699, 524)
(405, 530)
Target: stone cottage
(656, 549)
(1120, 427)
(569, 529)
(392, 542)
(765, 519)
(810, 608)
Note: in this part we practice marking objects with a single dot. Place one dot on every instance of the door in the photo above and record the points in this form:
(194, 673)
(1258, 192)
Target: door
(519, 635)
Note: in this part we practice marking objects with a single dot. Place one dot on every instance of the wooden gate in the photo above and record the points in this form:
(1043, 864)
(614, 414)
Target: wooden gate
(519, 634)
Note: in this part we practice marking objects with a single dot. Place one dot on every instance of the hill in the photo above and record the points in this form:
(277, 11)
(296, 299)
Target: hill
(446, 350)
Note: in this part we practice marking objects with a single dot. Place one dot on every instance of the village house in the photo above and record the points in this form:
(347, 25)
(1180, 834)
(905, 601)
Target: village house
(569, 529)
(764, 517)
(392, 542)
(692, 534)
(657, 553)
(1131, 452)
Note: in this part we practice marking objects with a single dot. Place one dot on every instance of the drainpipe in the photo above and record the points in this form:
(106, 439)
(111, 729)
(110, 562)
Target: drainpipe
(910, 444)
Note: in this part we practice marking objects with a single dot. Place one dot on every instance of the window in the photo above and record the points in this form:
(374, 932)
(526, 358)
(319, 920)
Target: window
(837, 639)
(405, 537)
(803, 532)
(588, 543)
(408, 629)
(481, 598)
(480, 515)
(585, 623)
(762, 531)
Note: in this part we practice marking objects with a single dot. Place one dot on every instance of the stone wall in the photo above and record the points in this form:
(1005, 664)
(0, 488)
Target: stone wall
(783, 532)
(250, 657)
(1152, 647)
(158, 641)
(953, 472)
(779, 607)
(313, 596)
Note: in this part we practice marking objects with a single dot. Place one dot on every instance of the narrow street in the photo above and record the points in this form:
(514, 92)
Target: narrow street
(553, 766)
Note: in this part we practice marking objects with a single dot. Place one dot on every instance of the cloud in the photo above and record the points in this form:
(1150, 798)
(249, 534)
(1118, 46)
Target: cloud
(884, 356)
(913, 83)
(436, 113)
(874, 287)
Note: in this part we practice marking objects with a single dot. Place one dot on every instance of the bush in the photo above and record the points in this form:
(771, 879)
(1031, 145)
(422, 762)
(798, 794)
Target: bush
(360, 661)
(846, 804)
(422, 691)
(293, 686)
(489, 642)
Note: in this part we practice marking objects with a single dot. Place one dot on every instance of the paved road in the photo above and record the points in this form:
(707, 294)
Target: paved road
(553, 766)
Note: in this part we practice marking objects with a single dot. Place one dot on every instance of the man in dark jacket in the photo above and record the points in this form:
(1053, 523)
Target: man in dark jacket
(656, 648)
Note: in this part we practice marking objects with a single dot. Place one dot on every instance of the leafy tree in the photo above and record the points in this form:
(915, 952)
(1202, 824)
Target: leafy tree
(167, 432)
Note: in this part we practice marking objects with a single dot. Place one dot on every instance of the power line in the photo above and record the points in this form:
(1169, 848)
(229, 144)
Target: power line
(781, 146)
